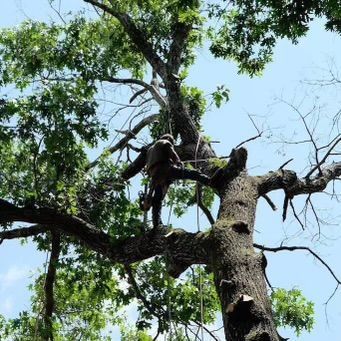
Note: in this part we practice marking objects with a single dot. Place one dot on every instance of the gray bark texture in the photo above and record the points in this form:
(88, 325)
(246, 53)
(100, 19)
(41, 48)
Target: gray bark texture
(238, 269)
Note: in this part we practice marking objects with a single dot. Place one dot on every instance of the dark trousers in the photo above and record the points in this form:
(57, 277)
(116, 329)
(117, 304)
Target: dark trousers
(171, 173)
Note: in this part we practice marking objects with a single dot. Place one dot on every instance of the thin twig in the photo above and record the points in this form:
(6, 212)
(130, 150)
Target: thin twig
(211, 333)
(139, 294)
(248, 140)
(323, 160)
(285, 163)
(202, 206)
(295, 214)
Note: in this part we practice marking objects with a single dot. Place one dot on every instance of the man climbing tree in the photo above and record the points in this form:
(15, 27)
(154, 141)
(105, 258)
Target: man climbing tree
(84, 215)
(164, 166)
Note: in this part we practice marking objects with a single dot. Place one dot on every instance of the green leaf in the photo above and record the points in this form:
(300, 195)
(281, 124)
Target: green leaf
(292, 309)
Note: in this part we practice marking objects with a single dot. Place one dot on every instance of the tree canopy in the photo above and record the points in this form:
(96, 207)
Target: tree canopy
(80, 204)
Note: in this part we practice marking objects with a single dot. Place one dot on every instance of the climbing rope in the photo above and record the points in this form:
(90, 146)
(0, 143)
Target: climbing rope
(41, 303)
(198, 229)
(169, 299)
(169, 302)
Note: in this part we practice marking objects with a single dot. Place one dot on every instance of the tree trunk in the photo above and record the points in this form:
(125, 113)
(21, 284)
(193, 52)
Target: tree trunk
(238, 270)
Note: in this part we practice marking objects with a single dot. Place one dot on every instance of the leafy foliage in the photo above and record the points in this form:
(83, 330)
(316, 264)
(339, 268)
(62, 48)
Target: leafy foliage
(292, 309)
(194, 99)
(51, 117)
(220, 95)
(134, 334)
(183, 196)
(181, 297)
(249, 29)
(75, 288)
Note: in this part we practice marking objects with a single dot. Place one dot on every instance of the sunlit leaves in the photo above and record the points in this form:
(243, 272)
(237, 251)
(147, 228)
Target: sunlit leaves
(157, 20)
(292, 309)
(182, 296)
(221, 95)
(184, 195)
(128, 334)
(248, 30)
(106, 202)
(48, 52)
(196, 102)
(87, 299)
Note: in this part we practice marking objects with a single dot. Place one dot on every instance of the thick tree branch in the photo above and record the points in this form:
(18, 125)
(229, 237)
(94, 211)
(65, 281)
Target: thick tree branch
(180, 34)
(137, 165)
(22, 232)
(292, 185)
(270, 202)
(184, 248)
(49, 283)
(73, 226)
(136, 35)
(185, 152)
(131, 134)
(178, 111)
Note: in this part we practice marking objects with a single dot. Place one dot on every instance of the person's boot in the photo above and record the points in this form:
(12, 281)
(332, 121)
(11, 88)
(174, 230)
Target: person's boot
(145, 202)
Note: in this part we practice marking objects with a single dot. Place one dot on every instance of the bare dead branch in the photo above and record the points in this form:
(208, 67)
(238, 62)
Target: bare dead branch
(202, 206)
(298, 248)
(317, 219)
(295, 214)
(260, 133)
(308, 130)
(179, 37)
(152, 89)
(270, 202)
(249, 139)
(285, 206)
(130, 134)
(288, 181)
(137, 94)
(208, 331)
(323, 160)
(330, 142)
(57, 11)
(332, 295)
(285, 163)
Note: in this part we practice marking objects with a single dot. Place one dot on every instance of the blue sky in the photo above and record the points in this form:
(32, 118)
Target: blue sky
(283, 80)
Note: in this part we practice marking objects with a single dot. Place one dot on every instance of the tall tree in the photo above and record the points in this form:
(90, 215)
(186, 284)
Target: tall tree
(79, 210)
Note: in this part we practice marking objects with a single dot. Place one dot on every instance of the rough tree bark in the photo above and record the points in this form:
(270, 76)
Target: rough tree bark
(227, 248)
(238, 270)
